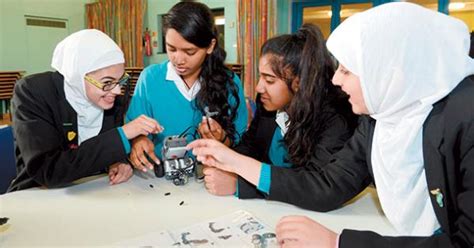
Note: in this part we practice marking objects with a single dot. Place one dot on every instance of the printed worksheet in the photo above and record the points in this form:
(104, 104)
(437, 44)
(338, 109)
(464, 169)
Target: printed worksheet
(239, 229)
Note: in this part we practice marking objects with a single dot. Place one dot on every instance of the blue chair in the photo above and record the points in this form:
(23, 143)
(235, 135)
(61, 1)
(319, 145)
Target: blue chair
(7, 158)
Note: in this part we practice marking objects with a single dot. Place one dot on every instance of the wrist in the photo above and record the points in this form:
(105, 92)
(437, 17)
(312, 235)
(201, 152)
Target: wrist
(138, 139)
(223, 137)
(249, 169)
(226, 140)
(125, 132)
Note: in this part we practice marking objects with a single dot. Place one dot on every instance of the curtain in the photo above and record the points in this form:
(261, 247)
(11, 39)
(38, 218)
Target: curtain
(122, 20)
(256, 23)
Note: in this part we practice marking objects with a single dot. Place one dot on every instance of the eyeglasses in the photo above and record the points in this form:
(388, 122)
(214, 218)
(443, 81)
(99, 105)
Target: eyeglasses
(110, 85)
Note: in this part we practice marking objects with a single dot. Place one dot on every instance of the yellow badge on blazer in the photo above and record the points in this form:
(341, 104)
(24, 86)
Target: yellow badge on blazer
(71, 135)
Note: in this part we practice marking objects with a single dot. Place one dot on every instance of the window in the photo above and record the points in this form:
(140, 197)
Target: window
(430, 4)
(326, 14)
(319, 16)
(350, 9)
(330, 13)
(463, 10)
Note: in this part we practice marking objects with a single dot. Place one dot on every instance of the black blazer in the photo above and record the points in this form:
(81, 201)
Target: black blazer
(45, 132)
(448, 152)
(256, 141)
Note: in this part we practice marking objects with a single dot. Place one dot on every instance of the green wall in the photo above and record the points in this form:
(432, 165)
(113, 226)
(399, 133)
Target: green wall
(13, 30)
(13, 34)
(283, 16)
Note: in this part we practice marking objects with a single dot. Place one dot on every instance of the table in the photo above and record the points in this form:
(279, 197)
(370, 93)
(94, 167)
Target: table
(92, 213)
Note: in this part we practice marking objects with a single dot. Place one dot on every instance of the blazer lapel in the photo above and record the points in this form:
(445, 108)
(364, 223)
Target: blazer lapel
(433, 160)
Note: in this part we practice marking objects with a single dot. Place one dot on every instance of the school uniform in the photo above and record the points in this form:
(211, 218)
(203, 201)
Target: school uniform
(46, 136)
(264, 142)
(448, 152)
(162, 95)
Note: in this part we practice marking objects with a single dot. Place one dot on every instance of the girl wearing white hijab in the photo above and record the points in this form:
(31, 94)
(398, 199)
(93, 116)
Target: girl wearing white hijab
(407, 70)
(68, 124)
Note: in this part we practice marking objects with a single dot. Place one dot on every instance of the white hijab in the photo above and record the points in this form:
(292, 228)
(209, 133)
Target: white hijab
(407, 58)
(75, 56)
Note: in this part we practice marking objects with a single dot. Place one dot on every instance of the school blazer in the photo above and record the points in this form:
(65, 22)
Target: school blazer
(45, 136)
(448, 152)
(339, 126)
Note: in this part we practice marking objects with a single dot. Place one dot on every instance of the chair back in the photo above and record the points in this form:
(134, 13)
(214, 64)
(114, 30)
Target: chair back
(7, 158)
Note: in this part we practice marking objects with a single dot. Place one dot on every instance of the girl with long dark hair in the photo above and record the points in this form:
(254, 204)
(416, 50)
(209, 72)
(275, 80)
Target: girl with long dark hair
(301, 119)
(178, 92)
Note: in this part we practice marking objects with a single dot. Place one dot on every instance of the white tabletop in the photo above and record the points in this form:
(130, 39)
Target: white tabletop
(92, 213)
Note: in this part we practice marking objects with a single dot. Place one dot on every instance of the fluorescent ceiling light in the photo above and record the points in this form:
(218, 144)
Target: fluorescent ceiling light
(456, 6)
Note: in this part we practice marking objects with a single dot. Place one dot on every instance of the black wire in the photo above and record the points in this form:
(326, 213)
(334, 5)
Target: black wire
(186, 133)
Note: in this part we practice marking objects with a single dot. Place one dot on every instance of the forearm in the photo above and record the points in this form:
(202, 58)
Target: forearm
(249, 169)
(353, 238)
(317, 190)
(55, 168)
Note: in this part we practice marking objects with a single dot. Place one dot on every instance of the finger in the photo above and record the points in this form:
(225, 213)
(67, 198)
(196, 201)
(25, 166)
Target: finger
(214, 125)
(204, 151)
(137, 162)
(118, 171)
(134, 160)
(146, 130)
(144, 120)
(210, 161)
(114, 180)
(120, 176)
(208, 181)
(146, 125)
(287, 233)
(206, 184)
(125, 172)
(290, 243)
(144, 161)
(210, 188)
(152, 155)
(292, 218)
(199, 143)
(202, 132)
(205, 131)
(111, 176)
(207, 171)
(112, 170)
(153, 123)
(206, 135)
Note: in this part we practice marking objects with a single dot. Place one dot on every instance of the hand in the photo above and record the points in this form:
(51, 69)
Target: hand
(142, 125)
(119, 172)
(140, 145)
(211, 129)
(301, 231)
(215, 154)
(219, 182)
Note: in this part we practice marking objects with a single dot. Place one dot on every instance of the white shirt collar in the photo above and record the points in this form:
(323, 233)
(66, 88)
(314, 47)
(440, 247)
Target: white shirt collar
(281, 119)
(189, 94)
